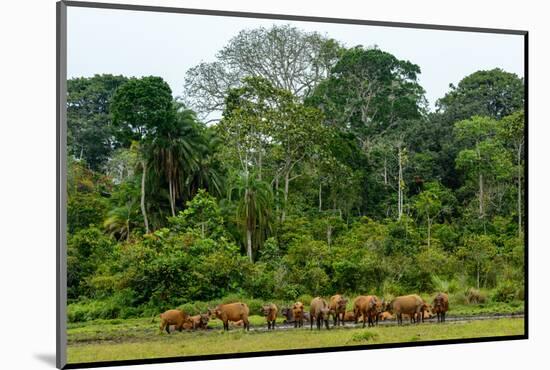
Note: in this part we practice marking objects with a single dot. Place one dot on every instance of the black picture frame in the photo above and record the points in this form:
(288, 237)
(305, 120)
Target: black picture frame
(61, 176)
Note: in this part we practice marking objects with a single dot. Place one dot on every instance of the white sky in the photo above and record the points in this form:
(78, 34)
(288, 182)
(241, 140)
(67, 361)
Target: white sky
(135, 43)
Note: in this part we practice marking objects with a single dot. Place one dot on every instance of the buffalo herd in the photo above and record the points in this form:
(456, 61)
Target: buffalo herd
(368, 308)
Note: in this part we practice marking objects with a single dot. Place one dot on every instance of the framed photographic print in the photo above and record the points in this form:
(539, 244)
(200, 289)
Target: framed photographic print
(239, 184)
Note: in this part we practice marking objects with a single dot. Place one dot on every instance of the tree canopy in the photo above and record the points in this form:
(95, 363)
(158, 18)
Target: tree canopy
(324, 173)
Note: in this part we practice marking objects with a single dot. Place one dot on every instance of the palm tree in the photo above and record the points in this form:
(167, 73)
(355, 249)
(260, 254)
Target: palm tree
(174, 153)
(208, 174)
(254, 203)
(124, 214)
(118, 221)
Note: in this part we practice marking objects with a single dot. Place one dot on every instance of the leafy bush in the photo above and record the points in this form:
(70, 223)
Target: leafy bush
(507, 291)
(305, 299)
(459, 298)
(91, 310)
(474, 296)
(364, 336)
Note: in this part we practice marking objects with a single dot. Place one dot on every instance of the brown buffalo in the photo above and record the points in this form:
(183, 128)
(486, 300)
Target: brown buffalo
(270, 313)
(319, 311)
(231, 312)
(410, 305)
(237, 323)
(349, 316)
(289, 315)
(427, 314)
(383, 316)
(338, 308)
(196, 322)
(440, 306)
(298, 314)
(428, 311)
(368, 307)
(172, 317)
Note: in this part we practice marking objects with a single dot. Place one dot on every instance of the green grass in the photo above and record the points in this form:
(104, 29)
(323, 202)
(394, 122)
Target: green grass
(487, 308)
(139, 338)
(131, 329)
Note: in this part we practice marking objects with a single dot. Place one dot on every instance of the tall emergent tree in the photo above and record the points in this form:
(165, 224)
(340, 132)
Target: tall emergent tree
(494, 93)
(431, 203)
(484, 158)
(368, 92)
(289, 58)
(90, 133)
(512, 131)
(143, 110)
(254, 202)
(174, 152)
(263, 123)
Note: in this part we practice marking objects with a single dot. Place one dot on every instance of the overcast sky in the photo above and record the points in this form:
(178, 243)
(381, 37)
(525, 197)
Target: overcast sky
(144, 43)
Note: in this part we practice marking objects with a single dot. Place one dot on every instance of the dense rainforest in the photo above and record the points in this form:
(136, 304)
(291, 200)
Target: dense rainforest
(292, 166)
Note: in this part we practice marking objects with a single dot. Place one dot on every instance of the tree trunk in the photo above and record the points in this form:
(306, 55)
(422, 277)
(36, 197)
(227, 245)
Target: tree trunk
(277, 194)
(481, 210)
(429, 231)
(260, 164)
(478, 268)
(519, 190)
(249, 243)
(172, 197)
(143, 210)
(329, 235)
(400, 188)
(287, 180)
(320, 198)
(385, 171)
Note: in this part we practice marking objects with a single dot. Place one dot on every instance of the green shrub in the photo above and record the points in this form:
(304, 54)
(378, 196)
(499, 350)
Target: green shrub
(364, 336)
(506, 291)
(475, 296)
(305, 299)
(440, 285)
(392, 289)
(458, 298)
(91, 310)
(195, 308)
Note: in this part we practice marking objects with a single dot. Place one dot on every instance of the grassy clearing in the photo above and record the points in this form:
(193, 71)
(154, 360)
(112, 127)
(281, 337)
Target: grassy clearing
(492, 308)
(131, 329)
(114, 342)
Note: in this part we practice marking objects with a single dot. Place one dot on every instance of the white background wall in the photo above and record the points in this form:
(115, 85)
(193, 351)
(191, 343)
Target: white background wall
(27, 182)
